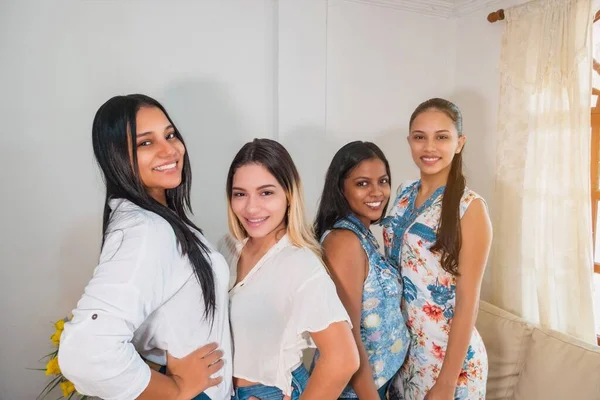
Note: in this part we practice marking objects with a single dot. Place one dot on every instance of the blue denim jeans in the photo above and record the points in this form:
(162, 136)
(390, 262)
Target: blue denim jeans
(201, 396)
(262, 392)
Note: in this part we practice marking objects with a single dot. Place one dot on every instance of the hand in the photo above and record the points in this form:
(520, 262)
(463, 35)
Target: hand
(192, 373)
(440, 391)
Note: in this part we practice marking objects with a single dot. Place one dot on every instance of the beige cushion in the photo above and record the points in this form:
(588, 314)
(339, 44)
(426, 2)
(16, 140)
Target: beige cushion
(559, 367)
(506, 339)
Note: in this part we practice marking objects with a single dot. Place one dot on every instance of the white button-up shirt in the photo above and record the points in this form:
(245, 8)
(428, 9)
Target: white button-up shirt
(287, 295)
(142, 300)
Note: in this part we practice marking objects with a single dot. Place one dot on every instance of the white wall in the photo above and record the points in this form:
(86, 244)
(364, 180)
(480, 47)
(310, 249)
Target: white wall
(302, 83)
(382, 63)
(209, 62)
(357, 74)
(476, 90)
(313, 74)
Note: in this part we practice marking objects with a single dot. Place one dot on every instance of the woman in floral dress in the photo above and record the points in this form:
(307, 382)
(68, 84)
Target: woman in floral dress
(439, 235)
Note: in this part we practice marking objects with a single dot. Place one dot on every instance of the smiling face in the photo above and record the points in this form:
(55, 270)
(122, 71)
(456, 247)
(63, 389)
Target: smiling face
(433, 142)
(160, 154)
(367, 190)
(258, 201)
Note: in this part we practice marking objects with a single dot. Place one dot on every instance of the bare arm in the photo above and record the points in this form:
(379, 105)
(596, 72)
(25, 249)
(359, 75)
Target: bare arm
(337, 362)
(160, 387)
(476, 242)
(186, 377)
(348, 264)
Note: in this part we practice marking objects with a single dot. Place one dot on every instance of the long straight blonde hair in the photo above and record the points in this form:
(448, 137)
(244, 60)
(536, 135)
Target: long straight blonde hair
(276, 159)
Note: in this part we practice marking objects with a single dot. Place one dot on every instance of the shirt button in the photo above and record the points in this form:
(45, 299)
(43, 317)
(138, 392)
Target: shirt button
(94, 316)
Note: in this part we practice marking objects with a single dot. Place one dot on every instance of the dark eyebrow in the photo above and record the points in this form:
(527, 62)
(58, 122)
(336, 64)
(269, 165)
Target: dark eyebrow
(440, 131)
(367, 178)
(259, 188)
(149, 132)
(266, 186)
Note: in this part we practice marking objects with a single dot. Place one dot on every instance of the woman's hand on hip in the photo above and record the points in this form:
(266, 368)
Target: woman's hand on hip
(193, 373)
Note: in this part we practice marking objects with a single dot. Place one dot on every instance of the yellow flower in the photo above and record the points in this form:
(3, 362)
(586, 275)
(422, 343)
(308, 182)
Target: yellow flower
(67, 388)
(397, 346)
(59, 325)
(371, 303)
(372, 320)
(378, 367)
(52, 367)
(380, 381)
(56, 337)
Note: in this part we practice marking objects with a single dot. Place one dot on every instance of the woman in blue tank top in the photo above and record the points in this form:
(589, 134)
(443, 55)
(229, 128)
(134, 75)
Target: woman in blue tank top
(356, 195)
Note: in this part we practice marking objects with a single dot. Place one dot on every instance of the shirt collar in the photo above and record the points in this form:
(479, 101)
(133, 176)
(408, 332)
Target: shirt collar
(281, 244)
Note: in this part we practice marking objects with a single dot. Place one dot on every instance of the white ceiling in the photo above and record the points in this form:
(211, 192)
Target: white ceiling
(438, 8)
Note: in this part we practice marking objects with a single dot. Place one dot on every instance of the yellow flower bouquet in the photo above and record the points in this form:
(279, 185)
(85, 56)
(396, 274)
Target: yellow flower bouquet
(53, 369)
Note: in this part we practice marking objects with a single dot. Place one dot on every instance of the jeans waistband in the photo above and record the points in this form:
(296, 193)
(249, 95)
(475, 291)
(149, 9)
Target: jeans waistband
(299, 379)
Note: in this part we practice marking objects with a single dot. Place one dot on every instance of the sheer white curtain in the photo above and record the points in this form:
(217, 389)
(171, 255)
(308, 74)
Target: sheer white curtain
(542, 255)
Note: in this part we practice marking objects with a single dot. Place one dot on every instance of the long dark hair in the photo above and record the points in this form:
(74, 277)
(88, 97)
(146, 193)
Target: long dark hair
(448, 242)
(276, 159)
(112, 147)
(333, 204)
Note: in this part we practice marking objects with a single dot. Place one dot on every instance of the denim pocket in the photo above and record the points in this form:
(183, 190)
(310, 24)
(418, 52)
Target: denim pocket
(299, 380)
(296, 392)
(260, 392)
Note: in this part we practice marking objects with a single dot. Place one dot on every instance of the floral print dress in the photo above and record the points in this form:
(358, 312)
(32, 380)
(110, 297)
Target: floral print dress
(428, 298)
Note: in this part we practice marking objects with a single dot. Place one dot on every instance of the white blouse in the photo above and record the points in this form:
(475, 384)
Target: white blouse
(284, 297)
(142, 300)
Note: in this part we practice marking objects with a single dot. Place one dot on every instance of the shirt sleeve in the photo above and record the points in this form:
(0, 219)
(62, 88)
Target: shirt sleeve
(316, 305)
(96, 352)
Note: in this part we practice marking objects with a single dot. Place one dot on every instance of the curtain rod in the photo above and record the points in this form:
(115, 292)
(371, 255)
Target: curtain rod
(496, 16)
(499, 16)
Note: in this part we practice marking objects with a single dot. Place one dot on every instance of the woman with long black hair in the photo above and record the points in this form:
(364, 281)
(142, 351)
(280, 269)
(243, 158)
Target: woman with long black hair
(159, 292)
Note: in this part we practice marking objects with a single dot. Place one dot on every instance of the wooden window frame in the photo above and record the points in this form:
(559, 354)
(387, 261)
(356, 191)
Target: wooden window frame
(594, 175)
(595, 163)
